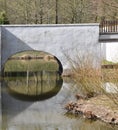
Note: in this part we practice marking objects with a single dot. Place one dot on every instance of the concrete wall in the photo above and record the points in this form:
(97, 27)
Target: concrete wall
(0, 85)
(110, 51)
(54, 39)
(0, 46)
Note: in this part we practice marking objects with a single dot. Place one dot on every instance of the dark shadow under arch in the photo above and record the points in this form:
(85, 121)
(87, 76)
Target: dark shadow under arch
(60, 66)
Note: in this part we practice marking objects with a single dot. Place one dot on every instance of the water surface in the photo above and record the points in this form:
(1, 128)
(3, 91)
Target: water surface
(46, 113)
(33, 98)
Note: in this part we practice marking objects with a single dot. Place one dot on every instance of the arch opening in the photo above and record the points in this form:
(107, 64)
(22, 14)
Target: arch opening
(51, 63)
(33, 75)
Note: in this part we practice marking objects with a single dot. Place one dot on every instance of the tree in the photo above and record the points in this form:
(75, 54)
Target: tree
(110, 9)
(58, 11)
(3, 18)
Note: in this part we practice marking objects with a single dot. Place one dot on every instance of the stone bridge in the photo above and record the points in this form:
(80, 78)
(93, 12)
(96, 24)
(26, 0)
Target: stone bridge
(58, 40)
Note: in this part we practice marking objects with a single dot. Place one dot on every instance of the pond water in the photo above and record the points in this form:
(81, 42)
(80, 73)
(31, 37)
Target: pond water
(36, 101)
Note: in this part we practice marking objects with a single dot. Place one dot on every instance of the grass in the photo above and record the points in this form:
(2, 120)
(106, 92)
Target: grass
(110, 75)
(33, 64)
(90, 79)
(106, 62)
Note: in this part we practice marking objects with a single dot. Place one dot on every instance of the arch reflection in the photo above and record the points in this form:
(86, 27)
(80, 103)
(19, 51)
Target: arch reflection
(31, 86)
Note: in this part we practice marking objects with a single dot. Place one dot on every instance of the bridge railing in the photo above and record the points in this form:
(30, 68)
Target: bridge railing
(109, 26)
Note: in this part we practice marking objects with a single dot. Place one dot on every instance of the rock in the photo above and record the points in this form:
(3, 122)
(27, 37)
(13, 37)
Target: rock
(113, 119)
(70, 106)
(89, 115)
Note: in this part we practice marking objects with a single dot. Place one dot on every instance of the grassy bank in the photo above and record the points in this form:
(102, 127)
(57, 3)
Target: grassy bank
(26, 60)
(31, 65)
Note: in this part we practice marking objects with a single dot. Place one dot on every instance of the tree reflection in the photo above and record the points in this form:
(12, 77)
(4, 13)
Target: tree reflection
(38, 85)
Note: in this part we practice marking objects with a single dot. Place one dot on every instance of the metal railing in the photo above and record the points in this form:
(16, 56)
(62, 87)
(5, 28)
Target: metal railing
(109, 26)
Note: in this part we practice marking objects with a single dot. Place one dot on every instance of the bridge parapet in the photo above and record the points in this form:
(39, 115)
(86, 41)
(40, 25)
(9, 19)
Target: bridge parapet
(108, 31)
(109, 27)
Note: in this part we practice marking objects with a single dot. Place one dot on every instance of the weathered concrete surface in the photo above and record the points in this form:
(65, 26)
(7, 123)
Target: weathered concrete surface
(0, 48)
(0, 85)
(54, 39)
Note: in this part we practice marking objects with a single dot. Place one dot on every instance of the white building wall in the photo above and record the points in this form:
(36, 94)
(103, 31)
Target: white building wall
(110, 51)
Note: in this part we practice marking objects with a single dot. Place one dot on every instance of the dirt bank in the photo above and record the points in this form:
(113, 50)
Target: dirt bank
(99, 107)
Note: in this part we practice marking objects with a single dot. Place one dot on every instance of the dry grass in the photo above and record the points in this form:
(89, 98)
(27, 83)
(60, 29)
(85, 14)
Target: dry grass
(91, 80)
(110, 77)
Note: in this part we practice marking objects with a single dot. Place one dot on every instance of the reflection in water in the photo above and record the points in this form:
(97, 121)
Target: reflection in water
(46, 114)
(33, 85)
(23, 104)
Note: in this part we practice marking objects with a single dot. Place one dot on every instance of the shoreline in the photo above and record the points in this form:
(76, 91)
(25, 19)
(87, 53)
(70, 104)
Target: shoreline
(95, 108)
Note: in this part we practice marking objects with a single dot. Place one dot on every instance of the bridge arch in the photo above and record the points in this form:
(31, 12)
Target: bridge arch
(54, 39)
